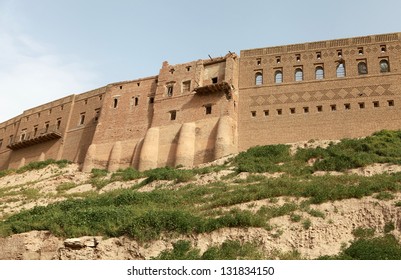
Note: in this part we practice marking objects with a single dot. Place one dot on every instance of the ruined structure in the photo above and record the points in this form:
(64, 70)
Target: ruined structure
(202, 110)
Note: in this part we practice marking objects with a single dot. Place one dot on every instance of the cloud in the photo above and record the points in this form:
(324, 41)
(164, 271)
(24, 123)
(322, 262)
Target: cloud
(31, 72)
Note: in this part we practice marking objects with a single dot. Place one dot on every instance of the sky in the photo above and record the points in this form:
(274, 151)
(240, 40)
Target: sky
(53, 48)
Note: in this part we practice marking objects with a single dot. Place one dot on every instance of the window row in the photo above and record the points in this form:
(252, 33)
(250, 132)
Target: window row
(134, 102)
(207, 108)
(320, 73)
(320, 108)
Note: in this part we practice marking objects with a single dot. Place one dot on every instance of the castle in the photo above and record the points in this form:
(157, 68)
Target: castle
(199, 111)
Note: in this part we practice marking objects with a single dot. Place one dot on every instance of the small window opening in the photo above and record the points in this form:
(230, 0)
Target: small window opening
(390, 103)
(306, 110)
(50, 111)
(186, 86)
(10, 139)
(86, 101)
(299, 75)
(361, 105)
(136, 101)
(279, 112)
(100, 97)
(172, 71)
(339, 53)
(347, 106)
(292, 111)
(188, 68)
(258, 79)
(1, 143)
(121, 87)
(151, 100)
(97, 114)
(266, 113)
(115, 102)
(173, 115)
(47, 125)
(360, 51)
(253, 113)
(383, 48)
(138, 84)
(258, 61)
(23, 135)
(61, 107)
(38, 115)
(362, 68)
(214, 80)
(58, 124)
(82, 119)
(278, 77)
(35, 130)
(384, 66)
(376, 104)
(208, 109)
(278, 59)
(318, 55)
(170, 90)
(319, 108)
(298, 57)
(333, 107)
(340, 70)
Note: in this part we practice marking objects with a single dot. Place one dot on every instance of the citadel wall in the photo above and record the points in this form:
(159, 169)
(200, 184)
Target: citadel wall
(320, 90)
(202, 110)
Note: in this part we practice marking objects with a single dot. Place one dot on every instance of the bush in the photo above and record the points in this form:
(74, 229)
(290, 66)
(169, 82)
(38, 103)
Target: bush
(363, 232)
(127, 174)
(170, 174)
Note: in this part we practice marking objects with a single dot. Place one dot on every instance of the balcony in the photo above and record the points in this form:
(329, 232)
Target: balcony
(214, 88)
(35, 137)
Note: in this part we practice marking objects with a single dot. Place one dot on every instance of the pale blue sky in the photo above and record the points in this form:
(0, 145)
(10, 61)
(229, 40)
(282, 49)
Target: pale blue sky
(53, 48)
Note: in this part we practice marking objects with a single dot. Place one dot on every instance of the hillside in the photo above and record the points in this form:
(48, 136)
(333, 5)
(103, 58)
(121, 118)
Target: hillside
(316, 199)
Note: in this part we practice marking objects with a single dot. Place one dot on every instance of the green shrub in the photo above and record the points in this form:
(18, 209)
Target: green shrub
(95, 173)
(384, 196)
(65, 187)
(360, 232)
(170, 174)
(388, 227)
(295, 218)
(398, 204)
(127, 174)
(182, 250)
(306, 224)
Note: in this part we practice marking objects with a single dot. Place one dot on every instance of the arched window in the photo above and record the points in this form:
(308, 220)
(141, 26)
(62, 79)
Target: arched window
(340, 70)
(362, 68)
(319, 73)
(258, 79)
(278, 77)
(384, 66)
(299, 75)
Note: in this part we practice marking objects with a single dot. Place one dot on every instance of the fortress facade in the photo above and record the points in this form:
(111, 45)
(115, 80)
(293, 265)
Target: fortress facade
(199, 111)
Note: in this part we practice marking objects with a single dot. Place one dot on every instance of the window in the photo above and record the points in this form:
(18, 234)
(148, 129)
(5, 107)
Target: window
(266, 113)
(376, 104)
(390, 103)
(278, 77)
(86, 102)
(100, 97)
(339, 53)
(298, 57)
(1, 143)
(23, 135)
(138, 84)
(151, 100)
(383, 48)
(135, 101)
(361, 105)
(115, 102)
(208, 109)
(319, 73)
(279, 112)
(333, 107)
(61, 107)
(169, 89)
(362, 68)
(384, 66)
(360, 51)
(58, 124)
(47, 125)
(173, 115)
(306, 110)
(82, 119)
(258, 61)
(319, 108)
(214, 80)
(318, 55)
(188, 68)
(258, 78)
(35, 130)
(253, 114)
(97, 115)
(347, 106)
(299, 75)
(278, 59)
(340, 70)
(186, 86)
(121, 87)
(10, 139)
(292, 111)
(50, 111)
